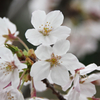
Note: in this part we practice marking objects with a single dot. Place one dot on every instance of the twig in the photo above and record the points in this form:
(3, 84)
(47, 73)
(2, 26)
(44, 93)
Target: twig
(53, 89)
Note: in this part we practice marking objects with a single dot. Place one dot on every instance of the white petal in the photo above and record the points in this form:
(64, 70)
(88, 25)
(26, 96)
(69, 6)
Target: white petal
(55, 18)
(19, 65)
(16, 33)
(6, 54)
(88, 89)
(82, 97)
(3, 27)
(38, 17)
(2, 40)
(61, 47)
(89, 68)
(40, 86)
(48, 40)
(49, 79)
(10, 25)
(73, 95)
(62, 32)
(65, 87)
(59, 75)
(43, 52)
(70, 62)
(5, 78)
(40, 70)
(33, 36)
(15, 78)
(17, 95)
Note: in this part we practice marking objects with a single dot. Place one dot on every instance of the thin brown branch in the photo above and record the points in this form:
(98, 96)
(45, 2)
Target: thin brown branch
(50, 86)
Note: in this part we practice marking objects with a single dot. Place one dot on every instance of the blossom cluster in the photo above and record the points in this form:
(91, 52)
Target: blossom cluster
(82, 16)
(50, 61)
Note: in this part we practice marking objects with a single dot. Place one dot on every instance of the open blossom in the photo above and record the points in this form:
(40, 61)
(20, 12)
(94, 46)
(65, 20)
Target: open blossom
(10, 66)
(54, 61)
(10, 93)
(82, 88)
(7, 31)
(48, 28)
(82, 85)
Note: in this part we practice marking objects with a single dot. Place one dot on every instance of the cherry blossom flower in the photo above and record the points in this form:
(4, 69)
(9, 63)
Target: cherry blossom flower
(82, 88)
(10, 93)
(7, 31)
(47, 28)
(10, 67)
(54, 61)
(82, 85)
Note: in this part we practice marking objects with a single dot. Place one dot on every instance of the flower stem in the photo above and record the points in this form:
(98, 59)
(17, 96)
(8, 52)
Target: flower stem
(22, 43)
(33, 90)
(21, 85)
(21, 79)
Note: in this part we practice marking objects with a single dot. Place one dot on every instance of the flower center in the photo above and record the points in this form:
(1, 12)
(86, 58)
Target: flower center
(54, 60)
(9, 96)
(45, 29)
(7, 67)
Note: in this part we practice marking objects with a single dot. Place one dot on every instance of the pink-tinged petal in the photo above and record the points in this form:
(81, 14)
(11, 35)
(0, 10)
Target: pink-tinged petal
(59, 75)
(15, 78)
(89, 68)
(48, 40)
(91, 78)
(10, 25)
(55, 18)
(19, 65)
(43, 52)
(3, 27)
(76, 83)
(62, 32)
(38, 18)
(6, 54)
(40, 70)
(33, 36)
(87, 89)
(61, 47)
(71, 62)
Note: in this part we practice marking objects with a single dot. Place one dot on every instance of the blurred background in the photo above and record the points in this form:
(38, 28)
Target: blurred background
(82, 16)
